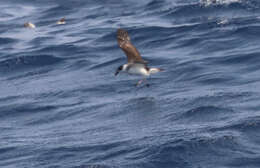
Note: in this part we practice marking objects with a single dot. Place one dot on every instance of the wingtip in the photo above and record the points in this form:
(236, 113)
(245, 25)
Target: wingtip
(122, 35)
(119, 30)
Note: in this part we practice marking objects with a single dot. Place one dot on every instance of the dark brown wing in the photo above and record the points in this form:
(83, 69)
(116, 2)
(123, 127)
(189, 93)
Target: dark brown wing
(129, 49)
(62, 20)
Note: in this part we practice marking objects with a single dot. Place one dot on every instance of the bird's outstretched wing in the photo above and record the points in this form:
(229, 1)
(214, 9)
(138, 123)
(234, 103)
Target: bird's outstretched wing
(133, 55)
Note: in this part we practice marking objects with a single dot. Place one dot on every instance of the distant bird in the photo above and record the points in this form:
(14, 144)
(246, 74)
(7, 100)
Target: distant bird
(61, 21)
(29, 25)
(135, 64)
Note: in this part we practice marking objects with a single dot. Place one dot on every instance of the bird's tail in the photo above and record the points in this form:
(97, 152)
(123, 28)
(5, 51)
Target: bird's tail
(155, 70)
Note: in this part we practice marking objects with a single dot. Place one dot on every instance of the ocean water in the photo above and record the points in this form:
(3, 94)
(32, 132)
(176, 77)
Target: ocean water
(62, 107)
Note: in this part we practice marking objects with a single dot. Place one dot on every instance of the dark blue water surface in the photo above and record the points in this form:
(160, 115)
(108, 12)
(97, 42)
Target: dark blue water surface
(62, 107)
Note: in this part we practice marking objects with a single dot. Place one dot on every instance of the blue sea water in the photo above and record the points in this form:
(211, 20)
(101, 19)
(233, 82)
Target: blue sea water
(62, 107)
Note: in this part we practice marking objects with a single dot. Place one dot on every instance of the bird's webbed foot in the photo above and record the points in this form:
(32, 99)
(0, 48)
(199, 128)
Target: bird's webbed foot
(142, 81)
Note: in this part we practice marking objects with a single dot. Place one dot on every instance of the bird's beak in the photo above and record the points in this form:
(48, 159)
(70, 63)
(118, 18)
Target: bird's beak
(117, 72)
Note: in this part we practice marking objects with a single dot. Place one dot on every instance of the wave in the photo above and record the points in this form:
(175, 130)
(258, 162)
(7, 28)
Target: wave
(206, 114)
(219, 2)
(25, 63)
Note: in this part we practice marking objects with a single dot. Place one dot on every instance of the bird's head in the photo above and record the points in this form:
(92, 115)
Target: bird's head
(119, 69)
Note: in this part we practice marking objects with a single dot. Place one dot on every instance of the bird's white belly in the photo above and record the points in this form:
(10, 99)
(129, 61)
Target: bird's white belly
(136, 70)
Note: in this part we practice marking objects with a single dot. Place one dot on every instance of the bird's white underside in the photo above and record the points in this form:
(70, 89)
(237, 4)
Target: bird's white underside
(139, 69)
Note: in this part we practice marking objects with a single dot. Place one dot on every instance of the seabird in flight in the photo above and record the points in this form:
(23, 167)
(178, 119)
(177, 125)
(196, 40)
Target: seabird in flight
(135, 64)
(29, 25)
(61, 21)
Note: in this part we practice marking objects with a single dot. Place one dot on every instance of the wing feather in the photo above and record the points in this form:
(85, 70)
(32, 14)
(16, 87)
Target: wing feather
(133, 55)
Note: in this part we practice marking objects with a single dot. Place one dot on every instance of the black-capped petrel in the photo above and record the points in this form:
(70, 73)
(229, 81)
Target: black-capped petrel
(135, 64)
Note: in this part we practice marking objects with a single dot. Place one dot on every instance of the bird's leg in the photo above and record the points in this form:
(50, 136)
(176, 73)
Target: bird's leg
(139, 82)
(143, 81)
